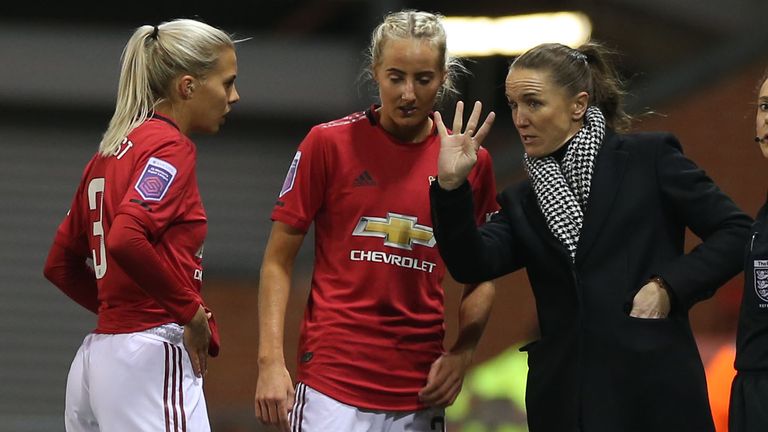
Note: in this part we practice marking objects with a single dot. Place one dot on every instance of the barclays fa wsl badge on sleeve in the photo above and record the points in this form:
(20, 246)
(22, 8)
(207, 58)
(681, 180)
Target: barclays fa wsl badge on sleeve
(155, 180)
(291, 176)
(761, 281)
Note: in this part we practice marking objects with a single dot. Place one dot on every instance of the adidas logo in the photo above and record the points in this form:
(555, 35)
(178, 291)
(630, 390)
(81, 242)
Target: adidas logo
(364, 179)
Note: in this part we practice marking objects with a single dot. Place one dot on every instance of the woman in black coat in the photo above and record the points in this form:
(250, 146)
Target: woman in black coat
(599, 226)
(749, 393)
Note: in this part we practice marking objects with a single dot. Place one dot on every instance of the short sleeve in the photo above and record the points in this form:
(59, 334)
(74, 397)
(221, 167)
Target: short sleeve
(159, 185)
(303, 190)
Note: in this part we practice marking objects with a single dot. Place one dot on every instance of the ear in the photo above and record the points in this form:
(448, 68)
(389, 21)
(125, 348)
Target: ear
(580, 105)
(186, 86)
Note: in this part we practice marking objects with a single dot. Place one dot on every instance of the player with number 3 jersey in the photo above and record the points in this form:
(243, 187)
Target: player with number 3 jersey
(138, 217)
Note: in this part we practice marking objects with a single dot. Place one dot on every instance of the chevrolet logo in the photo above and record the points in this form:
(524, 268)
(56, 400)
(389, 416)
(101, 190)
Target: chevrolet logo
(398, 231)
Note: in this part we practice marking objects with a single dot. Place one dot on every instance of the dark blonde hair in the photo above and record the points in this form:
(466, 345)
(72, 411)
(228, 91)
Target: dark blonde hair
(587, 68)
(153, 57)
(412, 24)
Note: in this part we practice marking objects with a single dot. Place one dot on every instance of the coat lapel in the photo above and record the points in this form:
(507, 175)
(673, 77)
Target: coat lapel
(538, 221)
(606, 181)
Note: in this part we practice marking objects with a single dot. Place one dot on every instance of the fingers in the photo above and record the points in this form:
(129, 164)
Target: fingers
(458, 117)
(284, 423)
(484, 129)
(197, 348)
(193, 357)
(646, 305)
(275, 413)
(474, 118)
(203, 360)
(441, 129)
(439, 383)
(444, 394)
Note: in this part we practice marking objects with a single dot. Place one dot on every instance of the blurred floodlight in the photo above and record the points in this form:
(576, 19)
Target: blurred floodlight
(513, 35)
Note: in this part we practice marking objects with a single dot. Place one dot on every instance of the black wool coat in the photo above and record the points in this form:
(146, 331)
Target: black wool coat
(595, 368)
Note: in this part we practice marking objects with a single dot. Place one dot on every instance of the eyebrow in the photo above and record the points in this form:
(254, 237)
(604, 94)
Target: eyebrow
(427, 72)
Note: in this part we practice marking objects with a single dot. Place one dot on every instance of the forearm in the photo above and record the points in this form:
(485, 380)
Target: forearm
(697, 275)
(474, 312)
(456, 232)
(130, 248)
(274, 289)
(72, 275)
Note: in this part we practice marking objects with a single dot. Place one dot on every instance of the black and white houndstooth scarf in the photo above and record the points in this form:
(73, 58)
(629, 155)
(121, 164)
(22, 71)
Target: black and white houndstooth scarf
(562, 191)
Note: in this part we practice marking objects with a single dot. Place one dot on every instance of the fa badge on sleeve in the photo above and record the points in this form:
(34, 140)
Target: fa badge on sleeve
(761, 280)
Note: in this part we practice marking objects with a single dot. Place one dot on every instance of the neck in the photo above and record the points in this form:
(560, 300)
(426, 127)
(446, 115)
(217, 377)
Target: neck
(415, 134)
(167, 110)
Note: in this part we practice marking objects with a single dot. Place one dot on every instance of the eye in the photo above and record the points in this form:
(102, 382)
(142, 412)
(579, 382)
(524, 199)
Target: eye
(763, 106)
(395, 78)
(533, 104)
(512, 105)
(425, 80)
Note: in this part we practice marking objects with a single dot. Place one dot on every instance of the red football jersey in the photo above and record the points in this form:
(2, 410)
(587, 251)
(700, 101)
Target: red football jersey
(373, 324)
(152, 178)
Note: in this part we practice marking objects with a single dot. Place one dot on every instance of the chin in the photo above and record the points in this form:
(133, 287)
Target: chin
(533, 152)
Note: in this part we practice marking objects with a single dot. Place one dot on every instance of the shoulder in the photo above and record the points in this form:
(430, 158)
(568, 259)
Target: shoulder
(343, 125)
(516, 191)
(335, 131)
(155, 136)
(641, 142)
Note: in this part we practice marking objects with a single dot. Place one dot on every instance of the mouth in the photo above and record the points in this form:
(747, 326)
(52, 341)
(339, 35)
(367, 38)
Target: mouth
(527, 139)
(407, 111)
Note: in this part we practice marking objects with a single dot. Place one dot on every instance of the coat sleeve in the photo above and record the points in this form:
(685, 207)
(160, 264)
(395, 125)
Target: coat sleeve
(472, 254)
(710, 214)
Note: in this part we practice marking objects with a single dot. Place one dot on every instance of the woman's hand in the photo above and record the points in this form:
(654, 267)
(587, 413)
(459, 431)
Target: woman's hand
(197, 336)
(652, 301)
(458, 150)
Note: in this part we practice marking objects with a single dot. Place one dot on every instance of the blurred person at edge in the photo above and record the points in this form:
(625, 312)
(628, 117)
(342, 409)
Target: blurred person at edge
(138, 215)
(599, 226)
(748, 410)
(371, 351)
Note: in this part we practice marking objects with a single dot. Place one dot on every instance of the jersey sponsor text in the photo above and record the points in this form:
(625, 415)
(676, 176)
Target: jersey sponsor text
(392, 259)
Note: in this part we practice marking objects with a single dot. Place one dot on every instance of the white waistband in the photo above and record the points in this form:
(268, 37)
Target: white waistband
(171, 332)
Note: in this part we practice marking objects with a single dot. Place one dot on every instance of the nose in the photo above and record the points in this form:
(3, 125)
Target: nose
(409, 93)
(234, 97)
(519, 118)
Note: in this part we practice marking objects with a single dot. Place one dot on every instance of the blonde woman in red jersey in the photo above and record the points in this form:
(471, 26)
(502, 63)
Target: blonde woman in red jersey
(137, 214)
(371, 354)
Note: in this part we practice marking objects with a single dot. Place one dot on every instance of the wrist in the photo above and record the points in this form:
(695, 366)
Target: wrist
(198, 317)
(465, 352)
(448, 183)
(265, 361)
